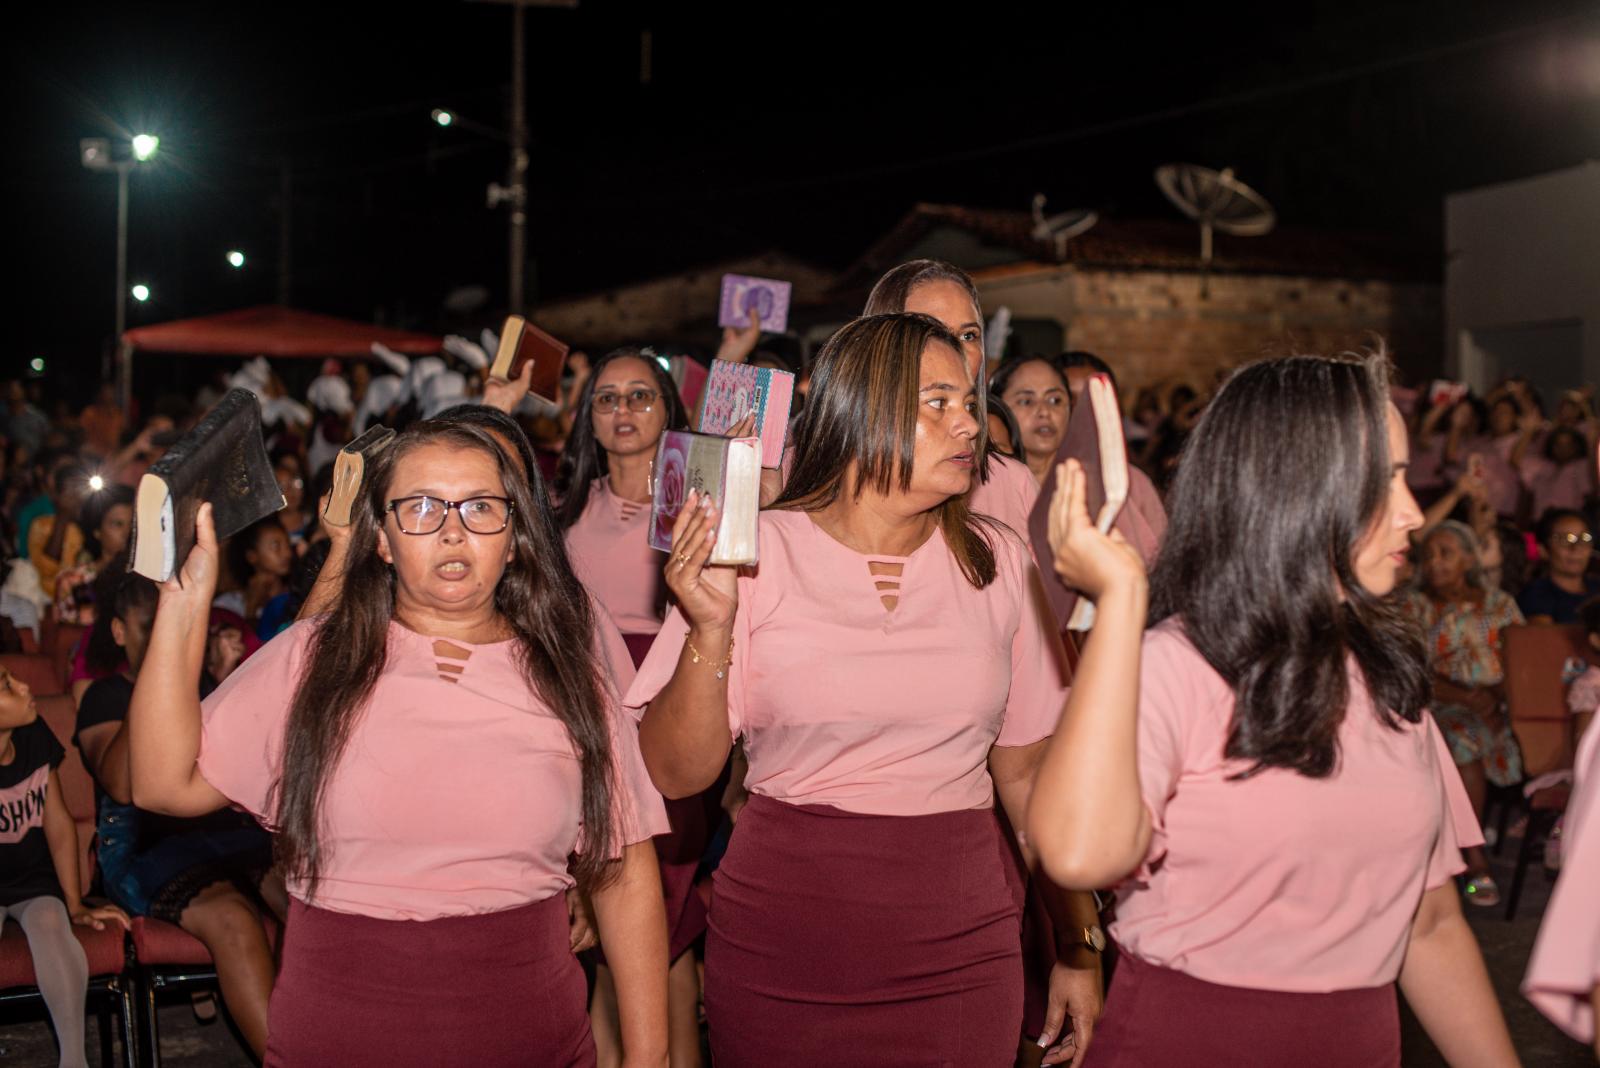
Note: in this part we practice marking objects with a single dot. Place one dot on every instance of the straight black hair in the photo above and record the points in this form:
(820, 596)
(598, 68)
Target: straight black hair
(1286, 472)
(583, 460)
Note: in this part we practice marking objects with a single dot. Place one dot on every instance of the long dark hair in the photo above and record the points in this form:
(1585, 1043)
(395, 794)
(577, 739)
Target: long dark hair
(583, 460)
(538, 596)
(888, 297)
(1288, 468)
(863, 411)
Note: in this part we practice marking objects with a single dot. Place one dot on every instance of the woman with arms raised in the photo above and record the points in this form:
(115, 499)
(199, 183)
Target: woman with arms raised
(891, 674)
(430, 753)
(1258, 765)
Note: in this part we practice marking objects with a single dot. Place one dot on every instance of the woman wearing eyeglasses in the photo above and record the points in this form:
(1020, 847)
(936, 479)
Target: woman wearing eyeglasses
(430, 754)
(603, 485)
(1556, 596)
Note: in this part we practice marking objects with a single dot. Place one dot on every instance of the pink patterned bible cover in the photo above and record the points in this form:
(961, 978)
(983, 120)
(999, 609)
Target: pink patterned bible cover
(742, 294)
(734, 390)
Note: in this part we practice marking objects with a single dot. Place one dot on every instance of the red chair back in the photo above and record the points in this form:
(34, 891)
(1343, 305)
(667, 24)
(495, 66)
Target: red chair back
(77, 785)
(1534, 656)
(37, 671)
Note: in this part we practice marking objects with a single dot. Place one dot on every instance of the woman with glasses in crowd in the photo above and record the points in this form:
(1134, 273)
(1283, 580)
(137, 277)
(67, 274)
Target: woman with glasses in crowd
(1558, 594)
(603, 485)
(441, 756)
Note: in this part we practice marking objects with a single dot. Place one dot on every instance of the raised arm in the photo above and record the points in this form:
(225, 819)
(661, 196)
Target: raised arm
(684, 734)
(164, 717)
(330, 579)
(1087, 819)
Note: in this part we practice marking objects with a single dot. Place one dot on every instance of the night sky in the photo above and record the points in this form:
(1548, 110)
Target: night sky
(806, 127)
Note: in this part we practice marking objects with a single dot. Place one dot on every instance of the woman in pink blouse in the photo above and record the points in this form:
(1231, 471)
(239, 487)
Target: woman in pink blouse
(430, 754)
(1258, 767)
(603, 485)
(891, 672)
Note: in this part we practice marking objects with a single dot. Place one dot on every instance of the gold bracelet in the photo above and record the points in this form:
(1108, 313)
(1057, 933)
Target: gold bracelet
(721, 666)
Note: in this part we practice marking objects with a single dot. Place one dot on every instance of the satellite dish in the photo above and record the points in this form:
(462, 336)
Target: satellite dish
(1061, 227)
(1217, 201)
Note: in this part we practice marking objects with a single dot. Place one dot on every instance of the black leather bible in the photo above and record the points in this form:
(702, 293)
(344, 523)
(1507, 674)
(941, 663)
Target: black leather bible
(222, 460)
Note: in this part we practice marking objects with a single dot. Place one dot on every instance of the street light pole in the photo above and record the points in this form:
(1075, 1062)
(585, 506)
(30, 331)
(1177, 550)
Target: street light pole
(124, 168)
(519, 163)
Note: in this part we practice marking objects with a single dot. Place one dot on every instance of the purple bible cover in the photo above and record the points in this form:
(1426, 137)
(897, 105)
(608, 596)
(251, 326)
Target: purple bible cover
(742, 294)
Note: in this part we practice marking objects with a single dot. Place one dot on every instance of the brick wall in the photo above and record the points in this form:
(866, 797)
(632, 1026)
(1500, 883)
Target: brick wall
(1153, 325)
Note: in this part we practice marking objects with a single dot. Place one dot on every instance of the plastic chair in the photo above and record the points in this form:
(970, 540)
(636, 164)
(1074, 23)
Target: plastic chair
(110, 983)
(1534, 657)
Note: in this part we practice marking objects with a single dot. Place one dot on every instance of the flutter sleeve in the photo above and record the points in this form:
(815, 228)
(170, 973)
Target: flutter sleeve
(662, 660)
(1458, 829)
(1040, 678)
(242, 722)
(637, 811)
(1169, 672)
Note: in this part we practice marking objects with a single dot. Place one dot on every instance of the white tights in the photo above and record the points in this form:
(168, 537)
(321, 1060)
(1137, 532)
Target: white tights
(60, 967)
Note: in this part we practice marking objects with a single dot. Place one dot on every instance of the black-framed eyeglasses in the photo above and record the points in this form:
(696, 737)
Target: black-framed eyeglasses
(635, 400)
(1575, 539)
(426, 515)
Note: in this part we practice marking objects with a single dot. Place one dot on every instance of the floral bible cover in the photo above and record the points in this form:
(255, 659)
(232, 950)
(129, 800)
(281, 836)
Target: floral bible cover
(734, 390)
(767, 297)
(684, 461)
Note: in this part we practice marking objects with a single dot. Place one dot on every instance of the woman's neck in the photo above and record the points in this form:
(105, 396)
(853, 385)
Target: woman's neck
(8, 749)
(1454, 593)
(872, 525)
(475, 624)
(630, 474)
(1040, 465)
(1570, 583)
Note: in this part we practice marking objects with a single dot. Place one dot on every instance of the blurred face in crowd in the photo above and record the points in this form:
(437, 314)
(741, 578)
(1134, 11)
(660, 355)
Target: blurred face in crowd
(132, 632)
(951, 304)
(1566, 445)
(291, 485)
(272, 553)
(947, 428)
(1570, 546)
(625, 386)
(453, 570)
(1382, 554)
(1445, 563)
(1503, 417)
(112, 533)
(1037, 395)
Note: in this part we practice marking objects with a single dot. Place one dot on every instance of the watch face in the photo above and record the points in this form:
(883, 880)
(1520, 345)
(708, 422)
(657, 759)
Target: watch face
(1095, 937)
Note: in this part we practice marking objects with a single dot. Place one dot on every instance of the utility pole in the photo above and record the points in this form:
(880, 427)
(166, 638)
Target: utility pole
(518, 293)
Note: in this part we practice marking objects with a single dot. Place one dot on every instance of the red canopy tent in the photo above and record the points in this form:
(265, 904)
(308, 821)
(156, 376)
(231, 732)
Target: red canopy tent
(269, 330)
(274, 331)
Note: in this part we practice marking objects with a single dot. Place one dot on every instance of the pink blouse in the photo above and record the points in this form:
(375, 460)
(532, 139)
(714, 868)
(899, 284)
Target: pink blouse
(1282, 882)
(1558, 485)
(611, 554)
(1565, 967)
(459, 792)
(1009, 494)
(843, 702)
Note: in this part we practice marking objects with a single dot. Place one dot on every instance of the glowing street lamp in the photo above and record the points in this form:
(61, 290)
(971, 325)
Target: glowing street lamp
(140, 293)
(236, 259)
(443, 117)
(96, 154)
(144, 146)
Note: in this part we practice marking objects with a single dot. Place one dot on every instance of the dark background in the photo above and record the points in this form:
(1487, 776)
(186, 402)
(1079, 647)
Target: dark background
(804, 127)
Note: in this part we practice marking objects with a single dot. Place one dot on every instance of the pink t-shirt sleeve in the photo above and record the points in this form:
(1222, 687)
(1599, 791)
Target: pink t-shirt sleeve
(636, 806)
(1458, 829)
(242, 722)
(662, 661)
(1039, 674)
(1565, 967)
(1171, 672)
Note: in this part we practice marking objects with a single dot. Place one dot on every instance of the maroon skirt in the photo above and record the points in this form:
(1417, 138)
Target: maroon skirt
(1157, 1016)
(843, 939)
(498, 989)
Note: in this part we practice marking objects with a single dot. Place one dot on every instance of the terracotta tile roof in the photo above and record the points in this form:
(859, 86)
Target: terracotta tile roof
(1152, 244)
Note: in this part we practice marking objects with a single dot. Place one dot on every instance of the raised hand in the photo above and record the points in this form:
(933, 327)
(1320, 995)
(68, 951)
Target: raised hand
(507, 394)
(708, 596)
(197, 578)
(738, 342)
(1085, 558)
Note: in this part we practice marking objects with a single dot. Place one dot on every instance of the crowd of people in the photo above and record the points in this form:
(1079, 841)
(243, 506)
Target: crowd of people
(521, 789)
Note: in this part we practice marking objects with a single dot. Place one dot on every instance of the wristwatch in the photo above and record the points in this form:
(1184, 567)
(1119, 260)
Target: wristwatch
(1095, 938)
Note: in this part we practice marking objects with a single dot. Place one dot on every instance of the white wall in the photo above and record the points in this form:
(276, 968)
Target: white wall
(1524, 253)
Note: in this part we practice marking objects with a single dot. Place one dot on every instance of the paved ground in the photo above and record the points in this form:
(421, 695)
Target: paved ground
(25, 1040)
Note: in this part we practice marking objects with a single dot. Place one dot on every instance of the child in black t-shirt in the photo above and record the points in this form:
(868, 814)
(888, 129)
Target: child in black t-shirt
(39, 884)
